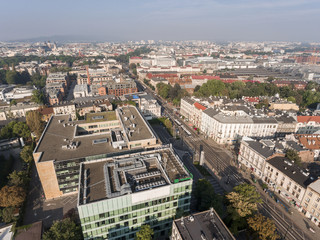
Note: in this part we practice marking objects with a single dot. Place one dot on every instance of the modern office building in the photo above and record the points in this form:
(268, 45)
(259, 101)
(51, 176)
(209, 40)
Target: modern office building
(203, 225)
(119, 194)
(65, 143)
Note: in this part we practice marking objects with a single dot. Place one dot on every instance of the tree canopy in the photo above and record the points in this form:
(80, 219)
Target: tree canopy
(145, 233)
(38, 97)
(293, 156)
(237, 89)
(26, 153)
(64, 229)
(34, 122)
(263, 228)
(206, 197)
(12, 196)
(243, 200)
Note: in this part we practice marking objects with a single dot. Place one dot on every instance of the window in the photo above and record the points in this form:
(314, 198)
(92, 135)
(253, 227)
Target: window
(310, 194)
(135, 221)
(318, 199)
(307, 200)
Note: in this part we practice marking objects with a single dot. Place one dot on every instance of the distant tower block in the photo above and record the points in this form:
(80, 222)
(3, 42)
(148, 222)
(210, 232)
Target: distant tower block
(202, 158)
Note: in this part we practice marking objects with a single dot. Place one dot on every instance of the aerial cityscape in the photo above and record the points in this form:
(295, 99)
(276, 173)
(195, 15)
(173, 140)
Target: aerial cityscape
(144, 120)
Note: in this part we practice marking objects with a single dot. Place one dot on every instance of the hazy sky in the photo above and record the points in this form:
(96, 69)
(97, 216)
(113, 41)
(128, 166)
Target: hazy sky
(118, 20)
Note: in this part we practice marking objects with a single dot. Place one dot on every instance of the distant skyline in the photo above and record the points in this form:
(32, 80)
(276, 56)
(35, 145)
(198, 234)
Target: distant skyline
(214, 20)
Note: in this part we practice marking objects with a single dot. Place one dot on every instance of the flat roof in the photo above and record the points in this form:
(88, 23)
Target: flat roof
(101, 117)
(203, 225)
(134, 124)
(127, 174)
(56, 136)
(60, 141)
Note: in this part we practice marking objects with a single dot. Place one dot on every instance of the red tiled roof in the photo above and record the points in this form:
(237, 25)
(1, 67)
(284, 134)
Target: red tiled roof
(202, 77)
(252, 99)
(199, 106)
(310, 141)
(136, 58)
(304, 119)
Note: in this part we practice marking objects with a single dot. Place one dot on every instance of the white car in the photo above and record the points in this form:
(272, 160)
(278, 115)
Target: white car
(312, 230)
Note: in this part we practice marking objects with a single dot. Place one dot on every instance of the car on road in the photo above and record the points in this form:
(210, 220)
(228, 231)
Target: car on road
(312, 230)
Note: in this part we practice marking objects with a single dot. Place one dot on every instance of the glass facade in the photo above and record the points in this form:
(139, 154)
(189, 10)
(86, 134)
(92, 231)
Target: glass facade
(68, 174)
(119, 218)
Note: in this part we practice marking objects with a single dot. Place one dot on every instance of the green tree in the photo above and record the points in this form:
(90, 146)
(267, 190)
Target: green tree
(196, 89)
(13, 102)
(24, 77)
(163, 90)
(7, 131)
(145, 233)
(12, 196)
(206, 197)
(212, 87)
(243, 200)
(291, 99)
(38, 80)
(293, 155)
(7, 214)
(263, 228)
(34, 122)
(64, 229)
(19, 178)
(38, 97)
(26, 153)
(21, 129)
(12, 77)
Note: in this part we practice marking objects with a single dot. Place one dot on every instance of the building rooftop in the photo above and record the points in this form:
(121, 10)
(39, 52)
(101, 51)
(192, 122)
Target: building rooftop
(62, 140)
(315, 186)
(203, 225)
(128, 174)
(101, 117)
(297, 174)
(260, 148)
(134, 124)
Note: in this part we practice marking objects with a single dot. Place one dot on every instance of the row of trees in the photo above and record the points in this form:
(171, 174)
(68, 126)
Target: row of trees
(14, 77)
(173, 94)
(124, 58)
(23, 129)
(242, 213)
(23, 78)
(304, 98)
(8, 61)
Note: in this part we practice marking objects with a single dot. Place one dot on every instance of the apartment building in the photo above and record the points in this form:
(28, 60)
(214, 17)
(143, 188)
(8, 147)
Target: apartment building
(66, 143)
(228, 126)
(308, 124)
(119, 194)
(311, 202)
(253, 155)
(287, 179)
(58, 77)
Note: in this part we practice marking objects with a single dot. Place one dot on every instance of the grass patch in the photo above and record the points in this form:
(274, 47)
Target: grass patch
(202, 169)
